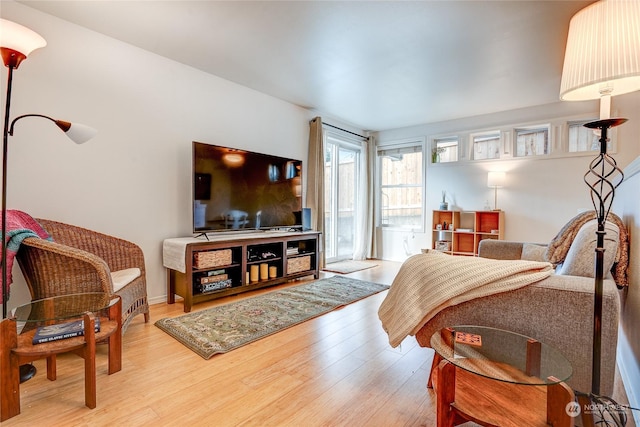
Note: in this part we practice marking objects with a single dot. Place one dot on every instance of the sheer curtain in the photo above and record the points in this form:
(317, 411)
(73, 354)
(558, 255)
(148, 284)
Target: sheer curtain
(315, 182)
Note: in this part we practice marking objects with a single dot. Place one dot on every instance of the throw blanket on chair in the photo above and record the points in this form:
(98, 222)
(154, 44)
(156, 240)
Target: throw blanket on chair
(20, 225)
(559, 246)
(430, 282)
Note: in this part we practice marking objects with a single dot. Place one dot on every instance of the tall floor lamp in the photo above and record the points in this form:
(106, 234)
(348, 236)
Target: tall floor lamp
(602, 59)
(16, 43)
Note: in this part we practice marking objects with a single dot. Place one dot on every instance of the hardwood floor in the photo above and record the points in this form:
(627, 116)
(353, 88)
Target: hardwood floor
(335, 370)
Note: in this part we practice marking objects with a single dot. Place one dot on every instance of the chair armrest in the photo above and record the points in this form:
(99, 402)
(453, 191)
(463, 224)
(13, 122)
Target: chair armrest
(119, 254)
(500, 249)
(51, 268)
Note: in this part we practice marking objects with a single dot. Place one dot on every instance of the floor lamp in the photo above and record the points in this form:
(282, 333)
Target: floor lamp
(602, 59)
(16, 43)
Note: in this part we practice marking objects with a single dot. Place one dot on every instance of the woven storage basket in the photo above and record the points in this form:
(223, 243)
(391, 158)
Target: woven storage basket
(209, 259)
(295, 265)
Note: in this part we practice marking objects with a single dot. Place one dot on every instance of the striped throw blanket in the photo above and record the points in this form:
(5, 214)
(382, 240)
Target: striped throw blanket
(20, 225)
(430, 282)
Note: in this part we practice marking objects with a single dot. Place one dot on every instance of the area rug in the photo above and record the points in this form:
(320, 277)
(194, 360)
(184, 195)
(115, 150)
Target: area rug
(348, 266)
(227, 327)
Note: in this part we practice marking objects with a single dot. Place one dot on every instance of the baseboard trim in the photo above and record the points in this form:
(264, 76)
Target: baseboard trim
(630, 374)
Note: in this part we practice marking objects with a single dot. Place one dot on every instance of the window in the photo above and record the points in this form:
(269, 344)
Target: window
(532, 141)
(486, 145)
(445, 150)
(342, 171)
(582, 138)
(401, 187)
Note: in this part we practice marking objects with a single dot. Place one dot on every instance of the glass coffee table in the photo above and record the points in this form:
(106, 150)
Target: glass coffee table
(495, 377)
(17, 341)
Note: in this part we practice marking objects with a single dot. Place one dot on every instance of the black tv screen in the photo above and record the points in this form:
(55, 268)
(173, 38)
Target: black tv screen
(242, 190)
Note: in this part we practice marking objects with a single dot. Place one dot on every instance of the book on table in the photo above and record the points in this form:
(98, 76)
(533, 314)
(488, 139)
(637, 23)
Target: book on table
(61, 331)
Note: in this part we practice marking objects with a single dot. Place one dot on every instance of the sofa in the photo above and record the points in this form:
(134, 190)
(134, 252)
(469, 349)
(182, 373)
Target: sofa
(558, 310)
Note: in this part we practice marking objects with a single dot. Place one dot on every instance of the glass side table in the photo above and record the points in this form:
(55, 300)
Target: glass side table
(495, 377)
(17, 348)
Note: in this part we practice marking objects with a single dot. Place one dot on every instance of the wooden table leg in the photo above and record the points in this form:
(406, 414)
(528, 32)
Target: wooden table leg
(171, 287)
(114, 342)
(558, 396)
(9, 371)
(587, 418)
(90, 360)
(434, 365)
(445, 393)
(51, 368)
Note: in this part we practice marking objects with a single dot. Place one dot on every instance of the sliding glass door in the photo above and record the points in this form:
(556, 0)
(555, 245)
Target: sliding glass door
(342, 169)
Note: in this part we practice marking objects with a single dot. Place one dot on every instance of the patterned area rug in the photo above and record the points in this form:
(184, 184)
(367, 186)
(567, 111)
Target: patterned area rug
(226, 327)
(349, 266)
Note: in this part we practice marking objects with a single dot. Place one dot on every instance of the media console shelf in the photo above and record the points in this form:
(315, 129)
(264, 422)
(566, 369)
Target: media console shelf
(200, 270)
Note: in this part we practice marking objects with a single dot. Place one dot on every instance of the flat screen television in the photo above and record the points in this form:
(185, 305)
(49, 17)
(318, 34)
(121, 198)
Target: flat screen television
(242, 190)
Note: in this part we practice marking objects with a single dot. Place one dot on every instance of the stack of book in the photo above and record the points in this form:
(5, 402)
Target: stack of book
(61, 331)
(214, 280)
(293, 250)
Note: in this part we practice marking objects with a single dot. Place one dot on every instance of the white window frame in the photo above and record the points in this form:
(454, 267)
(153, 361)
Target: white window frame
(401, 145)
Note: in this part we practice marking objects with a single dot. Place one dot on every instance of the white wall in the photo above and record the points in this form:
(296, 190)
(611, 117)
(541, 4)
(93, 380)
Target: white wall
(133, 179)
(627, 206)
(540, 196)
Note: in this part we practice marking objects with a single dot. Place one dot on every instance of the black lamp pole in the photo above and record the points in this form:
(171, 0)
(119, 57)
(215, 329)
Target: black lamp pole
(601, 169)
(5, 141)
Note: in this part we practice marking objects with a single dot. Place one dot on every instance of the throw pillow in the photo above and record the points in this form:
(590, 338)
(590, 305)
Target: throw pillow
(533, 252)
(580, 260)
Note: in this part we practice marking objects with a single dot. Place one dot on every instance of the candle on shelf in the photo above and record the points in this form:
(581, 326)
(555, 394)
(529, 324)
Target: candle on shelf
(254, 273)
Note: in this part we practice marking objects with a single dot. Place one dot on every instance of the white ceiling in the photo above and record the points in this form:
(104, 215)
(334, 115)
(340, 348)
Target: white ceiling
(375, 65)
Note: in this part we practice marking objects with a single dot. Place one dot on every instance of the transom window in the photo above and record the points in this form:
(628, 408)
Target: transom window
(582, 138)
(445, 150)
(532, 141)
(486, 145)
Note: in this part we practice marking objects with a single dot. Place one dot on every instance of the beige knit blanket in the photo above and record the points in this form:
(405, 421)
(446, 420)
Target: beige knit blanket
(430, 282)
(559, 247)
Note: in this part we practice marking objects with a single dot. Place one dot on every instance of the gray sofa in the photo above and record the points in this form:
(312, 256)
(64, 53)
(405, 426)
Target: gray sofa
(558, 311)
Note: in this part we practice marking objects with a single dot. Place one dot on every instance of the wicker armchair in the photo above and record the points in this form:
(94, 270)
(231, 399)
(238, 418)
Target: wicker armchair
(81, 260)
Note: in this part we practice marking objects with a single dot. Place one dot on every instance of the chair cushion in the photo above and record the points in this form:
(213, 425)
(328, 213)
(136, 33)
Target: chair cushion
(533, 252)
(122, 278)
(580, 260)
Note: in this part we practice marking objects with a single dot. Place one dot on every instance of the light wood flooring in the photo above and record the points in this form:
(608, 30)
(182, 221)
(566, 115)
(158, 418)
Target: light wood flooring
(335, 370)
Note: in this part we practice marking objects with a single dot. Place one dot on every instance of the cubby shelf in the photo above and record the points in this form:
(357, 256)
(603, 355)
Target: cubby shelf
(460, 232)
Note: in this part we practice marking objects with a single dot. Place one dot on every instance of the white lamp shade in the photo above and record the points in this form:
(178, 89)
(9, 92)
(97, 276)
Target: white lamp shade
(80, 133)
(21, 39)
(603, 51)
(496, 179)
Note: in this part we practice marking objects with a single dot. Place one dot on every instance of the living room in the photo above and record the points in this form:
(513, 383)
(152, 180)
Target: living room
(133, 179)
